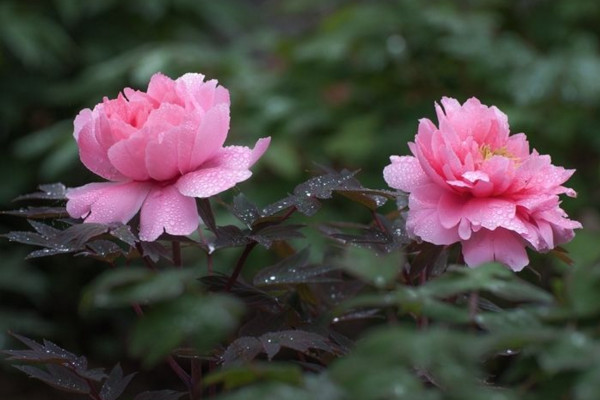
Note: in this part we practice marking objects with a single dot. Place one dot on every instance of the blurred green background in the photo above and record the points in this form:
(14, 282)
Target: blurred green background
(341, 83)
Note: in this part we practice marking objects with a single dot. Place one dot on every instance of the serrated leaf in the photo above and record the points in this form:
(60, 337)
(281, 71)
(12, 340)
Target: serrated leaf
(298, 340)
(242, 349)
(47, 352)
(124, 234)
(293, 270)
(58, 377)
(206, 214)
(244, 210)
(114, 386)
(102, 249)
(322, 186)
(38, 212)
(154, 251)
(53, 191)
(229, 236)
(267, 235)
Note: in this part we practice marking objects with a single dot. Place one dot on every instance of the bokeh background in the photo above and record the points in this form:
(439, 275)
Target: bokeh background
(340, 83)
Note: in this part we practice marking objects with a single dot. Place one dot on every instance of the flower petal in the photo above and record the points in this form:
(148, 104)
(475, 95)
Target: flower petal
(207, 140)
(404, 173)
(207, 182)
(129, 156)
(238, 157)
(107, 202)
(166, 210)
(499, 245)
(92, 152)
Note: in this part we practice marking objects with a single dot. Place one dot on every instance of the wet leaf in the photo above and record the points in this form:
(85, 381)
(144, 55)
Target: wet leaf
(114, 386)
(242, 349)
(267, 235)
(47, 352)
(298, 340)
(58, 377)
(124, 234)
(244, 210)
(229, 236)
(206, 214)
(293, 270)
(53, 191)
(38, 212)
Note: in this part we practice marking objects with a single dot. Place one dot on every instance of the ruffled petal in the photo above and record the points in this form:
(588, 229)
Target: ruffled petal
(129, 157)
(498, 245)
(166, 210)
(404, 173)
(107, 202)
(92, 152)
(207, 140)
(207, 182)
(238, 157)
(425, 224)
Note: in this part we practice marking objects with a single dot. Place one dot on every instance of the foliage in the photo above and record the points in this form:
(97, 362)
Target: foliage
(377, 317)
(339, 83)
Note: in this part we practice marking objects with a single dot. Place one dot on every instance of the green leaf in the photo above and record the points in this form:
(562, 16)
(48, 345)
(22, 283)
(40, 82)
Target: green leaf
(204, 320)
(125, 286)
(493, 278)
(237, 376)
(380, 270)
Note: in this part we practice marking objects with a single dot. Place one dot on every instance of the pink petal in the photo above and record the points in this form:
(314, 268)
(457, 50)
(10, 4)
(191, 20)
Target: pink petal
(199, 94)
(166, 210)
(91, 151)
(425, 224)
(404, 173)
(489, 213)
(162, 157)
(450, 208)
(129, 157)
(207, 140)
(207, 182)
(238, 157)
(107, 202)
(499, 245)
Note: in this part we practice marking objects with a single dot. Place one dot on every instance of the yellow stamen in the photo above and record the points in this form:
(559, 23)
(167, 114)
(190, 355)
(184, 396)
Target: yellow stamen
(488, 153)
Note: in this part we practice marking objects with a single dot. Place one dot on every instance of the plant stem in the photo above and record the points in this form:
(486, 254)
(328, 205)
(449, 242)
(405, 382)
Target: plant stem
(240, 264)
(176, 253)
(473, 307)
(377, 221)
(147, 261)
(196, 380)
(183, 376)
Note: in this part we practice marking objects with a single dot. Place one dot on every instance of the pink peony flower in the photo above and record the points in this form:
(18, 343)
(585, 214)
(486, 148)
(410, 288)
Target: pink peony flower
(159, 149)
(470, 182)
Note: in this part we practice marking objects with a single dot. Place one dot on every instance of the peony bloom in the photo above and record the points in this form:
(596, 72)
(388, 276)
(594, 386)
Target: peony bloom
(470, 182)
(159, 149)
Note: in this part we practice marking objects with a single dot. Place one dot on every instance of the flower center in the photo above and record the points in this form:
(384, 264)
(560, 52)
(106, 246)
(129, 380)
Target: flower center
(488, 153)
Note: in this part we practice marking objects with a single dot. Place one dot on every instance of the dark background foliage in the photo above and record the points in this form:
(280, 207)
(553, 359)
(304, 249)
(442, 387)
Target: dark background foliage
(341, 83)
